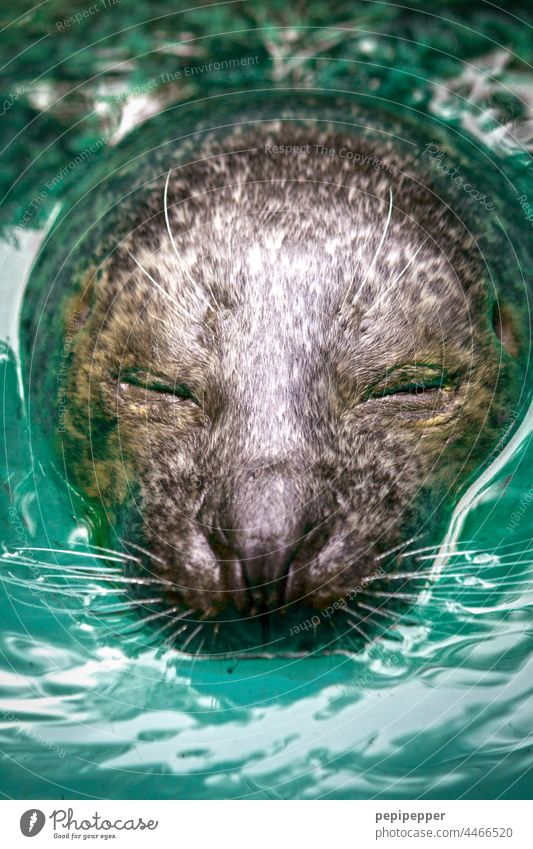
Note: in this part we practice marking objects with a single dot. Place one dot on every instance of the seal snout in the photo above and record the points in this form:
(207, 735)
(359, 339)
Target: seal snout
(261, 527)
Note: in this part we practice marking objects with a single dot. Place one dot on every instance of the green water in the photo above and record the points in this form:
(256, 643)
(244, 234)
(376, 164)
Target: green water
(440, 706)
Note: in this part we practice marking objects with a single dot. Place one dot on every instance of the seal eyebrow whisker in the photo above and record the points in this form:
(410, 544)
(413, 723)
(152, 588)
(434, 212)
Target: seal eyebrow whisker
(402, 272)
(371, 266)
(175, 304)
(173, 243)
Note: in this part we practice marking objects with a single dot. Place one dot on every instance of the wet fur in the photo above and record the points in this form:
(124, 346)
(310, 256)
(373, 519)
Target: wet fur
(271, 294)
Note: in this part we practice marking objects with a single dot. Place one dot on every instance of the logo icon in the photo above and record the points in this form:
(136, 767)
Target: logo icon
(32, 822)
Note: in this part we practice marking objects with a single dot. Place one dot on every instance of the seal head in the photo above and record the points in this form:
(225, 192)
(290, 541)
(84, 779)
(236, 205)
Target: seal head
(288, 366)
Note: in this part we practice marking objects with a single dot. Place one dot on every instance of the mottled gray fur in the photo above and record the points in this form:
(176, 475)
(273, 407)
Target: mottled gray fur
(299, 296)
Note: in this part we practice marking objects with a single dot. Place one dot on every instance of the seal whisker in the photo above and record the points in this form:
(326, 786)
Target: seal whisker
(146, 552)
(500, 589)
(449, 554)
(39, 581)
(169, 641)
(124, 579)
(92, 576)
(439, 546)
(82, 575)
(339, 634)
(174, 619)
(400, 275)
(121, 607)
(154, 616)
(200, 647)
(354, 612)
(359, 630)
(447, 550)
(72, 567)
(121, 554)
(54, 589)
(376, 254)
(405, 596)
(191, 636)
(175, 304)
(501, 560)
(387, 614)
(395, 576)
(456, 548)
(183, 267)
(399, 546)
(422, 575)
(70, 552)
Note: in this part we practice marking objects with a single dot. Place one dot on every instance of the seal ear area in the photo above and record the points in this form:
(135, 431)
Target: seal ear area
(505, 325)
(79, 307)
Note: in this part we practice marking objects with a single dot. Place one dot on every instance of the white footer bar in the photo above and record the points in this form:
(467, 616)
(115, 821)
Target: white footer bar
(281, 825)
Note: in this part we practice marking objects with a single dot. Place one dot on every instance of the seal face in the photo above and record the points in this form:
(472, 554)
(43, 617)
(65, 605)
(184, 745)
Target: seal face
(287, 368)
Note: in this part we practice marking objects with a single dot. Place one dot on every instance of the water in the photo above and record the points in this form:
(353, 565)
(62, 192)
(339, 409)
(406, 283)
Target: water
(440, 706)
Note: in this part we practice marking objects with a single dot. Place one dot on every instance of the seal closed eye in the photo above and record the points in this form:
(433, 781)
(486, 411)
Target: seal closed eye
(288, 365)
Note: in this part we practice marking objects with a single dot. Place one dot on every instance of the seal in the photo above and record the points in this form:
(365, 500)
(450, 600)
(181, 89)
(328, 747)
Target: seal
(289, 361)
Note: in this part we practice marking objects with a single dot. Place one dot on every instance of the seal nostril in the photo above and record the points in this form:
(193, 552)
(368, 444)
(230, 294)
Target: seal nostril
(265, 579)
(221, 537)
(265, 571)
